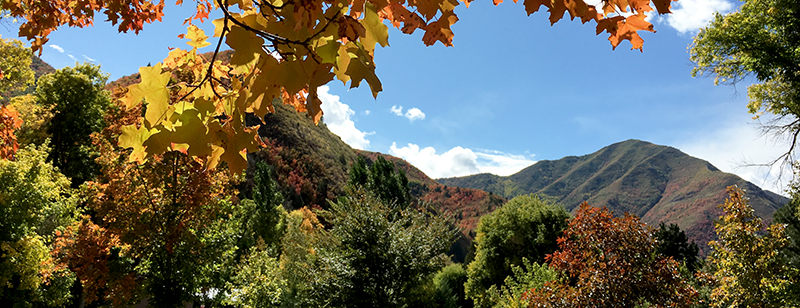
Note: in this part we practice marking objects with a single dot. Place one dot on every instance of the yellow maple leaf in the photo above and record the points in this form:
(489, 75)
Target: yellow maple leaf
(197, 37)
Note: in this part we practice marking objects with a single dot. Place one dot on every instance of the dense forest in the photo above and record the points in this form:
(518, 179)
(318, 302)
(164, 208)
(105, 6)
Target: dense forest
(202, 181)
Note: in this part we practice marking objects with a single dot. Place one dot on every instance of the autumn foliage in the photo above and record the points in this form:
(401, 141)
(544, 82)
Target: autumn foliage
(609, 261)
(9, 122)
(283, 50)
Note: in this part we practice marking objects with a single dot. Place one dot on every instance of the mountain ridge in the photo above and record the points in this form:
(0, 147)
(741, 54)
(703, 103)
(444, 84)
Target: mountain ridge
(657, 183)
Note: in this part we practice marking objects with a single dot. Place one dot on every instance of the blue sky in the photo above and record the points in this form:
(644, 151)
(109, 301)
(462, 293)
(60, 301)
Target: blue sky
(514, 90)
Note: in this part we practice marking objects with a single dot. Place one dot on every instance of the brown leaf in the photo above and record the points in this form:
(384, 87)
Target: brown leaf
(350, 28)
(663, 6)
(440, 30)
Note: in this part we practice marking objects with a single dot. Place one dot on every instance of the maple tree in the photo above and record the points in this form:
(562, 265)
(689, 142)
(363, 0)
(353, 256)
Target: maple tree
(746, 265)
(159, 224)
(9, 122)
(283, 50)
(609, 261)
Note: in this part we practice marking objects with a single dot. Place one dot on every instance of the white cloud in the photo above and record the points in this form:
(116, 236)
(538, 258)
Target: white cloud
(366, 112)
(57, 48)
(72, 57)
(398, 110)
(87, 58)
(337, 118)
(459, 161)
(412, 114)
(415, 114)
(733, 147)
(688, 16)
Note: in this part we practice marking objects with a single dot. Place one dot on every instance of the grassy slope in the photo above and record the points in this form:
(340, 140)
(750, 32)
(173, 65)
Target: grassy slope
(657, 183)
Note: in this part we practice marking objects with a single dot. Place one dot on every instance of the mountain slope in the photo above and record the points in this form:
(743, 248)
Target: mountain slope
(657, 183)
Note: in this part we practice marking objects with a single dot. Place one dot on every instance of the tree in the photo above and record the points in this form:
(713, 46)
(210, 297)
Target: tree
(786, 216)
(157, 230)
(383, 179)
(526, 227)
(9, 123)
(760, 40)
(262, 219)
(672, 242)
(747, 266)
(313, 42)
(609, 261)
(35, 120)
(15, 68)
(389, 250)
(35, 203)
(78, 102)
(523, 278)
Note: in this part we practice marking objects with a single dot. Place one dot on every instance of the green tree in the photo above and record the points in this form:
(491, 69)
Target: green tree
(389, 250)
(78, 102)
(760, 40)
(525, 227)
(747, 265)
(15, 68)
(448, 286)
(35, 203)
(383, 179)
(786, 216)
(257, 282)
(672, 242)
(526, 277)
(262, 219)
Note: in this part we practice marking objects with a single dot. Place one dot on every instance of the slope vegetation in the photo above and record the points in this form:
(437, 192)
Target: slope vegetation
(657, 183)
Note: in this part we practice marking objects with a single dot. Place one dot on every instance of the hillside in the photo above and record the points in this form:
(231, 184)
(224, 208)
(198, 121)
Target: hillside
(657, 183)
(312, 166)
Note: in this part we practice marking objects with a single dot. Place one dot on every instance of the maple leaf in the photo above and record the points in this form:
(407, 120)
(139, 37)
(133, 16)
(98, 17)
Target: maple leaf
(375, 30)
(153, 89)
(439, 30)
(361, 67)
(197, 37)
(663, 6)
(396, 13)
(350, 28)
(133, 137)
(621, 28)
(246, 46)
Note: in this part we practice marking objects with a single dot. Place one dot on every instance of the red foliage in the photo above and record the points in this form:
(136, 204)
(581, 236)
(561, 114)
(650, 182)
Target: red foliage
(9, 122)
(611, 262)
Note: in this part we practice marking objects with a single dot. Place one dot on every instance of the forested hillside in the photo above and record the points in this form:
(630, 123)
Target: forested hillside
(656, 183)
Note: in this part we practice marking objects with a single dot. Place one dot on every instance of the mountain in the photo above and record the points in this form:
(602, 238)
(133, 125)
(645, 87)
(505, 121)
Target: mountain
(657, 183)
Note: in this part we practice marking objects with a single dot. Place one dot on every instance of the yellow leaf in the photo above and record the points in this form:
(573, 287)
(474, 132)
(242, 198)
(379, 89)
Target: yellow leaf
(247, 49)
(132, 137)
(376, 31)
(154, 90)
(197, 37)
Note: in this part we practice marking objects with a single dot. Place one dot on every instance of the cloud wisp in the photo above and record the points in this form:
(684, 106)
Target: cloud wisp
(57, 48)
(412, 114)
(460, 161)
(338, 119)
